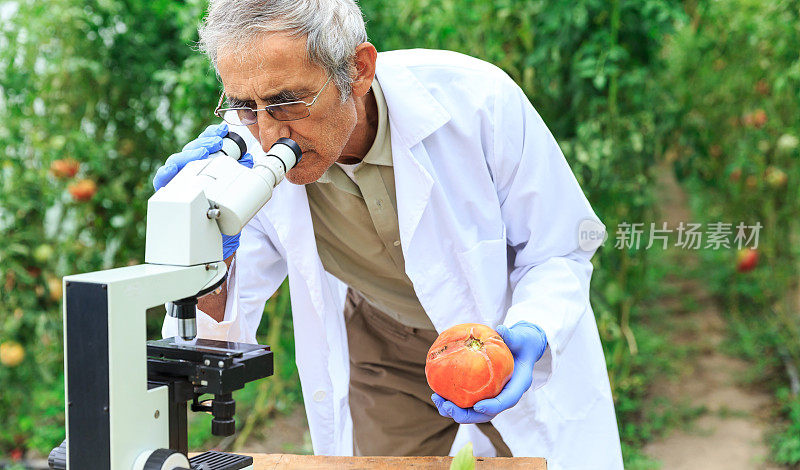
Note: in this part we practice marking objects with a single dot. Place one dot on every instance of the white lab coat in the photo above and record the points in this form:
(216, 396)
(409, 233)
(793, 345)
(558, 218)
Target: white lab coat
(488, 212)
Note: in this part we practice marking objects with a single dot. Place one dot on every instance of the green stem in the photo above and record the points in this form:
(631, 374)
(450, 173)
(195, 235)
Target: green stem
(625, 307)
(265, 401)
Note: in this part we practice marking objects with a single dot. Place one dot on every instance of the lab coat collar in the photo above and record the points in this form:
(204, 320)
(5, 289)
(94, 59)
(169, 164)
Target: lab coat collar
(413, 112)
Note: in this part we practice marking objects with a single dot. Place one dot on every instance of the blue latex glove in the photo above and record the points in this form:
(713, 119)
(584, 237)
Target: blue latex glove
(209, 142)
(527, 343)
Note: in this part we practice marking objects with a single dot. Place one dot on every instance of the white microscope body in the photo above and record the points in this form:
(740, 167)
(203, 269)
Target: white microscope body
(123, 405)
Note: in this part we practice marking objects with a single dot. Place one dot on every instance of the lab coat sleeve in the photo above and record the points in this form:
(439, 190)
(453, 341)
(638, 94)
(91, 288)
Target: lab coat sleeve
(255, 274)
(542, 207)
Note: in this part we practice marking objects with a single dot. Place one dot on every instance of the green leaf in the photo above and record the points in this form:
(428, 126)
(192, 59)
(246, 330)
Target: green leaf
(464, 460)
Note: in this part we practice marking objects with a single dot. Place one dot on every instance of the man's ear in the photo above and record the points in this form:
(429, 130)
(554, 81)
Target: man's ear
(364, 64)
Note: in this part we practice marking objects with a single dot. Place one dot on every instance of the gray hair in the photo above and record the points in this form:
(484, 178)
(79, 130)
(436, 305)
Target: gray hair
(333, 29)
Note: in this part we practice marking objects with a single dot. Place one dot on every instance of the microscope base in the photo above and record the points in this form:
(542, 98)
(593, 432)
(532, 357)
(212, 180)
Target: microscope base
(211, 460)
(214, 460)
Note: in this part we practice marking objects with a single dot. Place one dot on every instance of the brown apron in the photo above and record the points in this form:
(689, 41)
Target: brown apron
(390, 401)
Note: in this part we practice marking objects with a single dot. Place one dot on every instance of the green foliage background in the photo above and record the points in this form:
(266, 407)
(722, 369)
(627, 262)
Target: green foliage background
(115, 85)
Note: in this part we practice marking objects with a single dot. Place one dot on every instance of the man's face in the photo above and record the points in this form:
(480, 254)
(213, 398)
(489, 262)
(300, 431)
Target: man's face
(276, 69)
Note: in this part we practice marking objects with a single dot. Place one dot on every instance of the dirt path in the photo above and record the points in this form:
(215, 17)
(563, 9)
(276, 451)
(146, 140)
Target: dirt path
(286, 434)
(730, 434)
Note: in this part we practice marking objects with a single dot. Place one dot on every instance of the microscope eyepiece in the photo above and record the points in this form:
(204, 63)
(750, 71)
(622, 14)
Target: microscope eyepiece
(239, 143)
(298, 154)
(233, 146)
(287, 153)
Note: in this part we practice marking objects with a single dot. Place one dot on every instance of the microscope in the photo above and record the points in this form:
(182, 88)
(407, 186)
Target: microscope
(126, 397)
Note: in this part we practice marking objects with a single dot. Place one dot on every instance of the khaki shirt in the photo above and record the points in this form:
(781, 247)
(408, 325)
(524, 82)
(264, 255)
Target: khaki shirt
(356, 228)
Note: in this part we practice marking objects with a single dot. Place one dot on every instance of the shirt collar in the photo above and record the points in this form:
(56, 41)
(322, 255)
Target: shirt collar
(378, 154)
(375, 155)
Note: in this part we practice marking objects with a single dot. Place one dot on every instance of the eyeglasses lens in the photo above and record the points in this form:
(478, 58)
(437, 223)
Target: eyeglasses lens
(289, 112)
(247, 116)
(281, 112)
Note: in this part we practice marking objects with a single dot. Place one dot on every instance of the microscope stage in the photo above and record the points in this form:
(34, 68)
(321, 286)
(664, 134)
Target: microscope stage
(199, 348)
(212, 366)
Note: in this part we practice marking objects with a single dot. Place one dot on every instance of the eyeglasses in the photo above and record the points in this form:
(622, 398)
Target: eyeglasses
(289, 111)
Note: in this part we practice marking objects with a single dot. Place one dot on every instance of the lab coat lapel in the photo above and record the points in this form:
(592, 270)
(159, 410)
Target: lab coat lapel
(322, 340)
(413, 115)
(291, 217)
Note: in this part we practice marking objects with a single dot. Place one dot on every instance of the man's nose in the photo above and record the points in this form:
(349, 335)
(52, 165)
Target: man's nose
(271, 129)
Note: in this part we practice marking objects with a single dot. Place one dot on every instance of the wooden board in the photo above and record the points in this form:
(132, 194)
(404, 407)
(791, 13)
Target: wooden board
(322, 462)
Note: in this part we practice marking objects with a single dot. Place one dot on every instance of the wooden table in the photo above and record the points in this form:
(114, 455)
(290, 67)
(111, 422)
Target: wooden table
(322, 462)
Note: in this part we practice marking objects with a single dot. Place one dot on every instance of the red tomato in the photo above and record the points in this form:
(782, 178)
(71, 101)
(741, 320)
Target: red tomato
(468, 363)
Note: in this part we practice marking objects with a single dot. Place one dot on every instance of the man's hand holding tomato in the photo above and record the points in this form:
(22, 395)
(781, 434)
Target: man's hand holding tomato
(527, 343)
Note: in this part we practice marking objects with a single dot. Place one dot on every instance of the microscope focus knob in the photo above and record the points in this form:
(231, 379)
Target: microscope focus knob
(166, 459)
(223, 407)
(223, 427)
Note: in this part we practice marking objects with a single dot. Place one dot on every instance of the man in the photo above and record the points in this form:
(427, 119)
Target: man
(430, 194)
